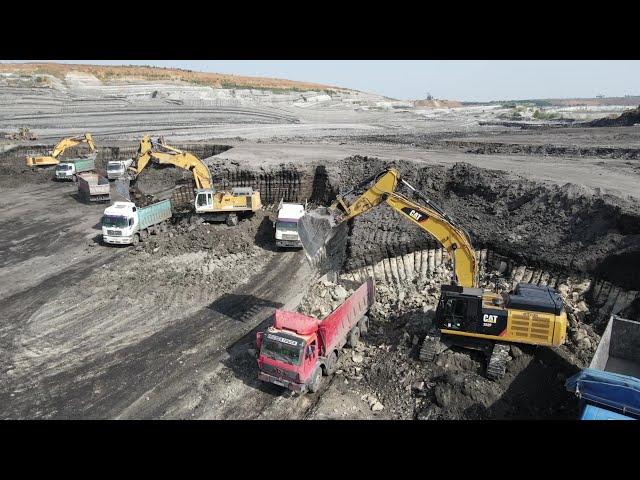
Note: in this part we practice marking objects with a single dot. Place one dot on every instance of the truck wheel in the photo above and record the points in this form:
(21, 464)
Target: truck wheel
(331, 363)
(136, 239)
(363, 325)
(354, 337)
(232, 220)
(316, 380)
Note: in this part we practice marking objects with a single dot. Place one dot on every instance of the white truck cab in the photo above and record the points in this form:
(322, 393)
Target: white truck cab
(118, 168)
(65, 171)
(119, 223)
(287, 225)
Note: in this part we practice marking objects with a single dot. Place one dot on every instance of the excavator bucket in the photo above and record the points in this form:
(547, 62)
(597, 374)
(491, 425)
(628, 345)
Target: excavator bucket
(324, 242)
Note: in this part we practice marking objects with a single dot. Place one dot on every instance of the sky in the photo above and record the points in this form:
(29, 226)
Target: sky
(464, 80)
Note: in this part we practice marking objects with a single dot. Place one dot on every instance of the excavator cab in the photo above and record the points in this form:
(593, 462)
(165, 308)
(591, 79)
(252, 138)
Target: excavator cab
(459, 308)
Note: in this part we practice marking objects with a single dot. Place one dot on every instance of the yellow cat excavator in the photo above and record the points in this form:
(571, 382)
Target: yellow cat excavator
(466, 315)
(52, 159)
(212, 204)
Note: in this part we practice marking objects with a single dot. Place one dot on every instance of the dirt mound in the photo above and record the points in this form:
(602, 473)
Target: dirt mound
(568, 227)
(191, 234)
(625, 119)
(384, 371)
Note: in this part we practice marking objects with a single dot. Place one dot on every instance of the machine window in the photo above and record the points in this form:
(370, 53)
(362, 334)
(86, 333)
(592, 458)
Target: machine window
(454, 312)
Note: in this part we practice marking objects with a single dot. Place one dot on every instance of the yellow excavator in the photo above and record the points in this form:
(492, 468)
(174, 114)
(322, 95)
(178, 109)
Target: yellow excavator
(52, 158)
(214, 205)
(466, 315)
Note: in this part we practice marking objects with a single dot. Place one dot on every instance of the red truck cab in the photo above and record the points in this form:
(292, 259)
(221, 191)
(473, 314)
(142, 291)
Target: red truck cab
(297, 350)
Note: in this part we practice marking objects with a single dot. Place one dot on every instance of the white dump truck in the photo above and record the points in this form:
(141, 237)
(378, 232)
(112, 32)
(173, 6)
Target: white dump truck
(69, 169)
(125, 224)
(287, 225)
(118, 168)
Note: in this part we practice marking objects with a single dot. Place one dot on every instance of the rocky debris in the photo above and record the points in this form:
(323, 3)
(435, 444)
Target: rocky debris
(374, 403)
(385, 366)
(322, 298)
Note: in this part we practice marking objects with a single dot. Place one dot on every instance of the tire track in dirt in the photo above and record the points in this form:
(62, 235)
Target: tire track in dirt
(147, 378)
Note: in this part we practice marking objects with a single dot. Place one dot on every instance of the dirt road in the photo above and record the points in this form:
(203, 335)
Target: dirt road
(96, 332)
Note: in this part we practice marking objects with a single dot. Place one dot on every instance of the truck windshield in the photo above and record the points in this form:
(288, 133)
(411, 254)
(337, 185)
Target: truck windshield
(114, 221)
(279, 348)
(288, 226)
(64, 166)
(114, 167)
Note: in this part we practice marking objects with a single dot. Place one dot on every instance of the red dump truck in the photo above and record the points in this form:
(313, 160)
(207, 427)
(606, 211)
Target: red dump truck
(297, 350)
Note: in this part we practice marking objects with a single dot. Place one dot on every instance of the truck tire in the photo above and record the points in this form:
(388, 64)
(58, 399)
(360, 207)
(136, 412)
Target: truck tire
(354, 337)
(363, 325)
(316, 380)
(332, 362)
(232, 220)
(136, 239)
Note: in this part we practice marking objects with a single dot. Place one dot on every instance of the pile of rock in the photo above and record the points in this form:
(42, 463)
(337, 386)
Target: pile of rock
(323, 298)
(421, 294)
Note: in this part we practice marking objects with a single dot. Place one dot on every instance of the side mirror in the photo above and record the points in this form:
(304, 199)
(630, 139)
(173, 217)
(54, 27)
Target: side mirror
(259, 340)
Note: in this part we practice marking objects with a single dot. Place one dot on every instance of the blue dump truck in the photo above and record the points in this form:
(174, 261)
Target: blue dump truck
(610, 388)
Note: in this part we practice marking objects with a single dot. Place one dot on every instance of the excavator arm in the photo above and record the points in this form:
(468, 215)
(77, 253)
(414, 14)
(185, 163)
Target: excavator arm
(72, 142)
(318, 240)
(172, 156)
(59, 149)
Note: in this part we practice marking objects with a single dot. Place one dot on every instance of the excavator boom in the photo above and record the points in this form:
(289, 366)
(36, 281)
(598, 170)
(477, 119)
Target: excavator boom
(165, 155)
(323, 232)
(59, 149)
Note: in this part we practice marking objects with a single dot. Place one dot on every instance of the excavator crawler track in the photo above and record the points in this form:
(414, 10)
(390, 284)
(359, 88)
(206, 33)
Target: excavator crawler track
(431, 346)
(498, 361)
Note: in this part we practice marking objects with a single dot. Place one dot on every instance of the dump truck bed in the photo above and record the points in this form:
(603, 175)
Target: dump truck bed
(334, 328)
(154, 214)
(612, 380)
(83, 164)
(94, 187)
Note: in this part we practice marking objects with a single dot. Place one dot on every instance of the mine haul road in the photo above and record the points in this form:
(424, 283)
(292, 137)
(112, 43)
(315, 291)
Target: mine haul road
(56, 357)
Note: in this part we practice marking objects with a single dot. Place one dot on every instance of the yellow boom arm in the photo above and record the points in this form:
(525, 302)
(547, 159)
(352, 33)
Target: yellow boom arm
(172, 156)
(59, 149)
(429, 217)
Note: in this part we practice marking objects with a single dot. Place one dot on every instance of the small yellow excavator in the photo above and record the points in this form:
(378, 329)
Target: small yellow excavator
(52, 159)
(466, 315)
(214, 205)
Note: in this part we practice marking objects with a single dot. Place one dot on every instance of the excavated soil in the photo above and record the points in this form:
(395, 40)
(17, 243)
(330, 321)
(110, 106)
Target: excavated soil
(14, 171)
(202, 289)
(570, 227)
(383, 373)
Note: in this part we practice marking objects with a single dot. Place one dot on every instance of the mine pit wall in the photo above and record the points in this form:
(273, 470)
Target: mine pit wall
(420, 267)
(562, 236)
(287, 182)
